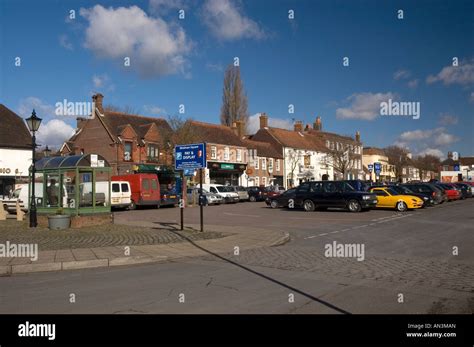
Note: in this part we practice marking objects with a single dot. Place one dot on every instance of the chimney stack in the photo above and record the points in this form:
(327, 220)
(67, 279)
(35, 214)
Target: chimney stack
(97, 99)
(240, 128)
(357, 137)
(263, 120)
(317, 124)
(298, 126)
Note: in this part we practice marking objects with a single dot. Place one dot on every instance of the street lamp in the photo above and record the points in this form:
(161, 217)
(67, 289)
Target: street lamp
(33, 123)
(46, 151)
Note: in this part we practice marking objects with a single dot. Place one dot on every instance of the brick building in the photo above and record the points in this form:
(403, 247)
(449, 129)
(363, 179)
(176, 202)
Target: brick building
(265, 164)
(126, 141)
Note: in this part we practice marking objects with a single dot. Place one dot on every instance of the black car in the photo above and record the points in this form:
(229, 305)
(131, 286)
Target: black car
(405, 190)
(332, 194)
(359, 185)
(466, 190)
(281, 200)
(437, 195)
(257, 193)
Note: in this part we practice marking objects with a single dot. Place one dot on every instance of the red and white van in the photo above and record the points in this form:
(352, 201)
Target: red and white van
(145, 189)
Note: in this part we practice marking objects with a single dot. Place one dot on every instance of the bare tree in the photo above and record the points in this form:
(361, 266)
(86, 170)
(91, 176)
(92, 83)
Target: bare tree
(398, 157)
(341, 159)
(426, 163)
(293, 159)
(234, 99)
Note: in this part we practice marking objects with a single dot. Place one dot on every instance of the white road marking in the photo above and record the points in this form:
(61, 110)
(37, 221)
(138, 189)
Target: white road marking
(333, 232)
(323, 234)
(242, 215)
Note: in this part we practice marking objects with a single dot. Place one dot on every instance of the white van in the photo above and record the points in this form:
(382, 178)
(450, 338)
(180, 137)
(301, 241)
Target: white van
(121, 194)
(21, 193)
(229, 195)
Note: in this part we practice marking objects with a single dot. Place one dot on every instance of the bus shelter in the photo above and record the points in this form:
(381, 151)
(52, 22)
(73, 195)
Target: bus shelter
(74, 185)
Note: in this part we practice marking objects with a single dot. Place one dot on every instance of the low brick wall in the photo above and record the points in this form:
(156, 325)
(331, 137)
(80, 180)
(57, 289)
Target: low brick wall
(80, 221)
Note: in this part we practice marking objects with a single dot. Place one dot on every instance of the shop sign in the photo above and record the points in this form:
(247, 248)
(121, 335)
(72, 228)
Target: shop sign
(227, 166)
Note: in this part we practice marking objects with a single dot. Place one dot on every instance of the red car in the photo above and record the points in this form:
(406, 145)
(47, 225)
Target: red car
(274, 191)
(145, 189)
(451, 191)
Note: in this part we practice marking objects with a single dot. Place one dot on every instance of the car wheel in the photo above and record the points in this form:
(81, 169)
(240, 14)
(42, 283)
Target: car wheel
(309, 206)
(354, 206)
(274, 204)
(401, 206)
(253, 199)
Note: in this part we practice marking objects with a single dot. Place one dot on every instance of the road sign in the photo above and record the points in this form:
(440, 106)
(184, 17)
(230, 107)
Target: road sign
(370, 167)
(456, 167)
(377, 168)
(189, 172)
(191, 156)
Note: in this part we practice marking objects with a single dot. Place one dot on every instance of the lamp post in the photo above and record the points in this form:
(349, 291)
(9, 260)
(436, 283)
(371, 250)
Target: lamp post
(33, 123)
(46, 152)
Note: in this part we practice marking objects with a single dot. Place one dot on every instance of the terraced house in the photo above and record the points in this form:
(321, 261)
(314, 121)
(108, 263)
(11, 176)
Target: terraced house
(128, 142)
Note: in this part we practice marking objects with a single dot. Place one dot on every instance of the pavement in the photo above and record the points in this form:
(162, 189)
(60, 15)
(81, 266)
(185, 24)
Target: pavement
(134, 242)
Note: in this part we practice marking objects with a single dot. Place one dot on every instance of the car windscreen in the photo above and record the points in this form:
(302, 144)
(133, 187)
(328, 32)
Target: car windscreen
(392, 192)
(223, 189)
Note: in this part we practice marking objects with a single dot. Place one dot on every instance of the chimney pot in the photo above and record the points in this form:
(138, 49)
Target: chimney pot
(317, 124)
(97, 99)
(298, 126)
(357, 137)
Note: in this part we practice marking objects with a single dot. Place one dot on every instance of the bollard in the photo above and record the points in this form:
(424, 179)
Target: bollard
(19, 213)
(3, 213)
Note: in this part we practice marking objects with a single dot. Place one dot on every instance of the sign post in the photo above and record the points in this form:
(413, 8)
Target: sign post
(191, 157)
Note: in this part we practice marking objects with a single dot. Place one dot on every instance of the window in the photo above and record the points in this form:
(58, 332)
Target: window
(256, 162)
(226, 153)
(332, 145)
(278, 164)
(154, 184)
(316, 187)
(115, 188)
(328, 144)
(124, 188)
(214, 190)
(213, 152)
(127, 151)
(239, 155)
(257, 181)
(145, 184)
(153, 151)
(270, 164)
(379, 192)
(307, 161)
(303, 188)
(264, 163)
(264, 181)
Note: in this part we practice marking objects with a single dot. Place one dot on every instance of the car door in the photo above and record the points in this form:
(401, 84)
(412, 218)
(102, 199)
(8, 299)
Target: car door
(382, 197)
(332, 195)
(302, 193)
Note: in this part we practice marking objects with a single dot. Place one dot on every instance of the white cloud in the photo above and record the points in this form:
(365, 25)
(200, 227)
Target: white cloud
(155, 48)
(163, 7)
(253, 123)
(413, 83)
(64, 42)
(401, 74)
(154, 109)
(432, 151)
(365, 106)
(462, 74)
(448, 119)
(54, 133)
(226, 21)
(430, 137)
(42, 109)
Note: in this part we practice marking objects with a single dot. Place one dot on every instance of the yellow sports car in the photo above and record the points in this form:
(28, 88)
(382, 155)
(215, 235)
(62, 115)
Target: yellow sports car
(389, 198)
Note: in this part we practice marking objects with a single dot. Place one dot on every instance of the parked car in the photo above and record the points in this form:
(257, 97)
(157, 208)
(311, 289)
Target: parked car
(273, 191)
(389, 198)
(209, 198)
(281, 200)
(257, 193)
(466, 189)
(145, 189)
(241, 192)
(359, 185)
(227, 193)
(437, 195)
(332, 194)
(405, 190)
(451, 192)
(121, 194)
(169, 197)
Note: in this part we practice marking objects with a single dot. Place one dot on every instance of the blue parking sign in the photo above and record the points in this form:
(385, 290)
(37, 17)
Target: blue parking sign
(191, 156)
(377, 168)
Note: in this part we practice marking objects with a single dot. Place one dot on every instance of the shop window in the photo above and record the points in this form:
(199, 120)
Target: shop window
(213, 152)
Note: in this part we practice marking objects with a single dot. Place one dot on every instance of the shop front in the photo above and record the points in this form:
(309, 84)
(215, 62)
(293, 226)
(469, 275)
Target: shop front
(226, 173)
(14, 165)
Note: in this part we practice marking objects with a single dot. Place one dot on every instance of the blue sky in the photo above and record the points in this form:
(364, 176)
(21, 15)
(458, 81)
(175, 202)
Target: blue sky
(283, 61)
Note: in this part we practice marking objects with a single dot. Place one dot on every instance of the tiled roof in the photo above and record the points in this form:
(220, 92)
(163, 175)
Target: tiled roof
(373, 151)
(330, 136)
(296, 139)
(466, 160)
(264, 149)
(13, 130)
(116, 121)
(215, 133)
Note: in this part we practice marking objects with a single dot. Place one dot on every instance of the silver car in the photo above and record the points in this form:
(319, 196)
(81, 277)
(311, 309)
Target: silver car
(211, 198)
(242, 192)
